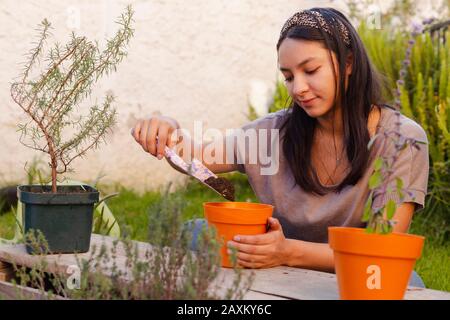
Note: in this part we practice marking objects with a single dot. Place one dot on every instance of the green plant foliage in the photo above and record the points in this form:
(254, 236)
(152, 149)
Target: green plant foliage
(425, 94)
(167, 270)
(49, 94)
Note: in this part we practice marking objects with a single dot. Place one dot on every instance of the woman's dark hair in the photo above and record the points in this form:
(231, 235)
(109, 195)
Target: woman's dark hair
(363, 91)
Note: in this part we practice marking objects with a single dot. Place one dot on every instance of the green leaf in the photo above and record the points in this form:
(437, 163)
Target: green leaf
(375, 180)
(106, 198)
(389, 229)
(367, 209)
(378, 163)
(399, 182)
(108, 232)
(390, 209)
(386, 228)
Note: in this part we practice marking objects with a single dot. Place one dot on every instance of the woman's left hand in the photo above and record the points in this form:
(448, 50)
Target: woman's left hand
(261, 251)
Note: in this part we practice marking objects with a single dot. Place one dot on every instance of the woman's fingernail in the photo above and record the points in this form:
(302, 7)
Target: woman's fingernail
(159, 157)
(237, 238)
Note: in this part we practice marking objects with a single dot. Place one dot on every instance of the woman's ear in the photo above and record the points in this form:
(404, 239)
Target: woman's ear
(349, 64)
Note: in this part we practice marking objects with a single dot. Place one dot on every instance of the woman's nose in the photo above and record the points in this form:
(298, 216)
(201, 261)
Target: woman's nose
(300, 87)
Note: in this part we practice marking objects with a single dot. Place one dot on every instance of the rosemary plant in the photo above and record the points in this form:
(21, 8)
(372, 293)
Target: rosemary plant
(49, 94)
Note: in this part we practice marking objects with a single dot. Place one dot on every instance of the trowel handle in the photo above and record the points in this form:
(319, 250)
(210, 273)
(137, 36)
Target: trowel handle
(173, 156)
(176, 159)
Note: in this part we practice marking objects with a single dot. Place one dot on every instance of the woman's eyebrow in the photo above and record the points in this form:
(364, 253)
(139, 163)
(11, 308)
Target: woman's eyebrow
(300, 64)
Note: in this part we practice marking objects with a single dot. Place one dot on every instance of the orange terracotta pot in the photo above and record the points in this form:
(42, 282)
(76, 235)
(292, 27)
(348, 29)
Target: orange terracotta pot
(373, 266)
(236, 218)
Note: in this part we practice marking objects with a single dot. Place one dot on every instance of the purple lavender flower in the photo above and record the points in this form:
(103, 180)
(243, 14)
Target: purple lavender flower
(428, 21)
(417, 28)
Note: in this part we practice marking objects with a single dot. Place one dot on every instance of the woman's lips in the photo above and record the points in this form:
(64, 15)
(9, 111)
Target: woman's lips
(307, 102)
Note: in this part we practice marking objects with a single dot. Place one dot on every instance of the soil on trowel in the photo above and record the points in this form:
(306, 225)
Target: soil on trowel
(223, 186)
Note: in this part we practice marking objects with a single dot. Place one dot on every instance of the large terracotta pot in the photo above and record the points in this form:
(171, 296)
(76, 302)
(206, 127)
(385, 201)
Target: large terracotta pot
(373, 266)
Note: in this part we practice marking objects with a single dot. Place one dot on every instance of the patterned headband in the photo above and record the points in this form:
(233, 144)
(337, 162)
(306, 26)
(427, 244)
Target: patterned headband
(314, 19)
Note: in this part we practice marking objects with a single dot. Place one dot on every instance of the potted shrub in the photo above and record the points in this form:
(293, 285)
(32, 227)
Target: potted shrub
(376, 263)
(49, 96)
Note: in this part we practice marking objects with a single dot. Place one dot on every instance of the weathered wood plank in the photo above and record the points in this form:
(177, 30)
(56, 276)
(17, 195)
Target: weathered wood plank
(59, 263)
(9, 291)
(413, 293)
(272, 283)
(6, 271)
(289, 283)
(302, 284)
(255, 295)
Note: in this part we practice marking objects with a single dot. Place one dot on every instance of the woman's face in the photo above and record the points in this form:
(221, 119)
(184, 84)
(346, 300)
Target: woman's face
(309, 76)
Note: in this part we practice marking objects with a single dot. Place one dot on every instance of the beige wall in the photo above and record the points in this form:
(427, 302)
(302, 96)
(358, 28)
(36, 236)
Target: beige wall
(193, 60)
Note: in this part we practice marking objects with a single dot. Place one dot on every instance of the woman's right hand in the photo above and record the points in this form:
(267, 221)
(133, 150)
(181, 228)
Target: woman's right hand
(155, 133)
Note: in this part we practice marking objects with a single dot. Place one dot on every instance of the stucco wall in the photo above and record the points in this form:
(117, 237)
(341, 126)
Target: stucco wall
(193, 60)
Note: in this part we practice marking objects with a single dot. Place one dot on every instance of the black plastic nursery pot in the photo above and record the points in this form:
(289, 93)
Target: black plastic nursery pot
(64, 218)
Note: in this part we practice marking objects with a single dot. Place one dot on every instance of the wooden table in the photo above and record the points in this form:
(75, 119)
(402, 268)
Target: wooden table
(269, 284)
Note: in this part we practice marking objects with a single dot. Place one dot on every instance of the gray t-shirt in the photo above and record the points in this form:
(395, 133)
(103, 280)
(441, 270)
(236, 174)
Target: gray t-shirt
(306, 216)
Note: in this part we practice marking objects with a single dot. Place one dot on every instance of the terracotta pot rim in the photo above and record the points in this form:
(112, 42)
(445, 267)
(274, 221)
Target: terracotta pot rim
(394, 245)
(231, 205)
(362, 231)
(230, 213)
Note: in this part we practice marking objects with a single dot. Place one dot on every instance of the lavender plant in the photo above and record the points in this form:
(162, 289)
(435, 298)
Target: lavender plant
(49, 94)
(383, 173)
(380, 220)
(168, 269)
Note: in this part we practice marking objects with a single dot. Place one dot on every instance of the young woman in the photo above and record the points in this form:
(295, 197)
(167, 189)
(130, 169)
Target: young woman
(324, 163)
